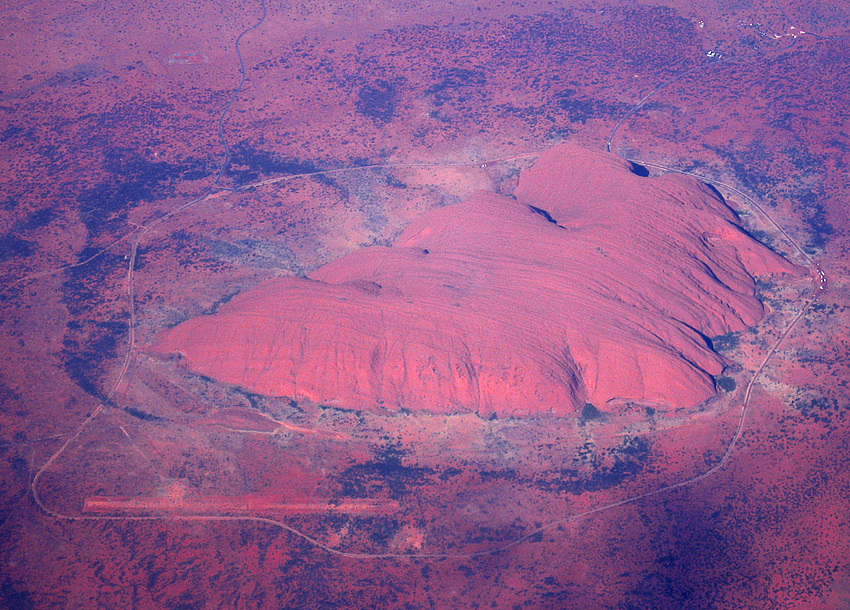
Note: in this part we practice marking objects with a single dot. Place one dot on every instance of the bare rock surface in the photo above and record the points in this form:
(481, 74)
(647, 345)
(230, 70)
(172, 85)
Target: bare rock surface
(594, 284)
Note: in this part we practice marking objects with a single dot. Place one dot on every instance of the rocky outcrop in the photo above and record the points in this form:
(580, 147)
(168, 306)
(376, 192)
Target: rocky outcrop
(593, 285)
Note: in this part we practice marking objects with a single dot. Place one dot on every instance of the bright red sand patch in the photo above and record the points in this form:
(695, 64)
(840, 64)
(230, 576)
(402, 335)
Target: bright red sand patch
(488, 306)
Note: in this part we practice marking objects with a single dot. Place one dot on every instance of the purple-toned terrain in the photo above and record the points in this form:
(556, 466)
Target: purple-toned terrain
(424, 305)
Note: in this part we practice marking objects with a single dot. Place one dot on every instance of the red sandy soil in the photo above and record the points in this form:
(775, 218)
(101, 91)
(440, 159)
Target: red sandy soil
(242, 419)
(248, 420)
(105, 128)
(593, 285)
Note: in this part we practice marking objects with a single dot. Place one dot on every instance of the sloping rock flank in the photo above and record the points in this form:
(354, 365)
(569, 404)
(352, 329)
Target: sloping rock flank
(593, 285)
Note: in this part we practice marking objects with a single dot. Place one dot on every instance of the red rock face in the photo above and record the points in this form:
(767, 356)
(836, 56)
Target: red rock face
(594, 284)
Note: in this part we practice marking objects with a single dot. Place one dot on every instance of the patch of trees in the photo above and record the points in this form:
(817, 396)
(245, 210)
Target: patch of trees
(248, 163)
(378, 101)
(624, 462)
(579, 109)
(385, 473)
(134, 179)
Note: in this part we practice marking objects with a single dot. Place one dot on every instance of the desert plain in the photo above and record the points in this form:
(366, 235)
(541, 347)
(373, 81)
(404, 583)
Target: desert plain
(552, 300)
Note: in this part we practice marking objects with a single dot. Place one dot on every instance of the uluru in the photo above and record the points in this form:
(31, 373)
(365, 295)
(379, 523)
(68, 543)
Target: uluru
(591, 283)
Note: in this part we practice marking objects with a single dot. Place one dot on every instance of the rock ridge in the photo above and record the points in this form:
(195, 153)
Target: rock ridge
(594, 284)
